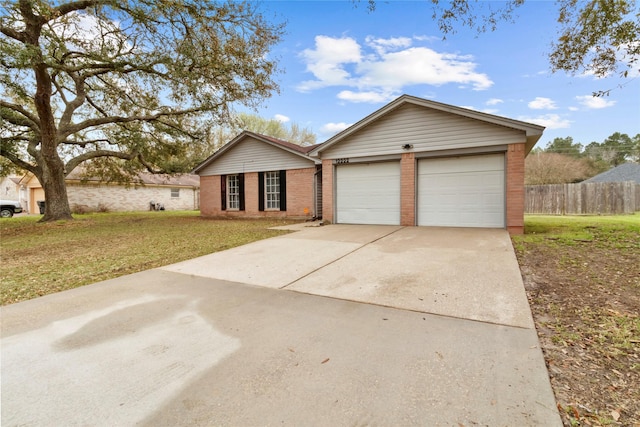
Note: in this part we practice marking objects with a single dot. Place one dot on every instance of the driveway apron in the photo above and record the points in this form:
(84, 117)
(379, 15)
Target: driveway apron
(335, 325)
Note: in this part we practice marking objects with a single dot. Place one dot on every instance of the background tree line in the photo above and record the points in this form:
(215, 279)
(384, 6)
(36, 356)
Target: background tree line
(566, 161)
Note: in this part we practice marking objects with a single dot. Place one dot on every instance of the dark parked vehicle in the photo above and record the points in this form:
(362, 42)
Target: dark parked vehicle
(9, 207)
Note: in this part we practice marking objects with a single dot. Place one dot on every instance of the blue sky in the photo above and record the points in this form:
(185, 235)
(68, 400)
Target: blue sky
(341, 63)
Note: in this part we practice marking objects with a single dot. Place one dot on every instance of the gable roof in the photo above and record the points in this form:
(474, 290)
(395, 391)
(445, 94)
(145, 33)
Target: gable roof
(296, 149)
(621, 173)
(532, 131)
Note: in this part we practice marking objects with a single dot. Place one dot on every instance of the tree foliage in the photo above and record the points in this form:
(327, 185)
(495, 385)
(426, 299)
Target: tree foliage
(555, 168)
(614, 150)
(599, 37)
(123, 84)
(566, 161)
(217, 136)
(293, 132)
(564, 146)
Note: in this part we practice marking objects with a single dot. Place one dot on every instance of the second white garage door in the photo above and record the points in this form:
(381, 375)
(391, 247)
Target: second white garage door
(462, 191)
(368, 193)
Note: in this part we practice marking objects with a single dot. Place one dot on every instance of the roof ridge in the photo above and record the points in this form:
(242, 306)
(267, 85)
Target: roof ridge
(301, 148)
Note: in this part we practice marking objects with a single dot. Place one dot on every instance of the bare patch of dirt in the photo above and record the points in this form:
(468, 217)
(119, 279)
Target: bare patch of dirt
(585, 299)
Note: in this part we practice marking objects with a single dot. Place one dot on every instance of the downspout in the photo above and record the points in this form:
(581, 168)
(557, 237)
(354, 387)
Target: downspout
(317, 180)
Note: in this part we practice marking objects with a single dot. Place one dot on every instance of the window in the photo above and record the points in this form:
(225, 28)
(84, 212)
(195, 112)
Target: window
(233, 192)
(175, 193)
(272, 190)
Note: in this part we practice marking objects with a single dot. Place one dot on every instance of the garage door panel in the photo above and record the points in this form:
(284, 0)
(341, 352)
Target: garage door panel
(462, 192)
(457, 165)
(368, 193)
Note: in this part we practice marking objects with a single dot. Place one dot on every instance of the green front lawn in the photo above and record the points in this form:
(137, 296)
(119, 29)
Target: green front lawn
(39, 259)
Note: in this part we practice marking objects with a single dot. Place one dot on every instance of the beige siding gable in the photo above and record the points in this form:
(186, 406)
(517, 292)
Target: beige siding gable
(252, 155)
(424, 128)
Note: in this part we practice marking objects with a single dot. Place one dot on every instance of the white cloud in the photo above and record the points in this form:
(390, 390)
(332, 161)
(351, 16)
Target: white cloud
(420, 65)
(381, 68)
(371, 97)
(333, 128)
(327, 60)
(541, 103)
(539, 73)
(427, 38)
(594, 102)
(550, 121)
(573, 108)
(381, 46)
(494, 101)
(469, 107)
(490, 110)
(281, 118)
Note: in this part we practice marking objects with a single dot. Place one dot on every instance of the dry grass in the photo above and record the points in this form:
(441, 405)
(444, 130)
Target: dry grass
(582, 276)
(39, 259)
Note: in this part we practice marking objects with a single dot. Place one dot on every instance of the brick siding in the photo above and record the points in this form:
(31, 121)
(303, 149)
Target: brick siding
(327, 190)
(209, 195)
(515, 188)
(118, 198)
(408, 189)
(299, 196)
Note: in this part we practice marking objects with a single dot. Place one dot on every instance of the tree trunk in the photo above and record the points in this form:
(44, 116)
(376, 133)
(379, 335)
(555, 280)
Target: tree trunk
(51, 166)
(55, 190)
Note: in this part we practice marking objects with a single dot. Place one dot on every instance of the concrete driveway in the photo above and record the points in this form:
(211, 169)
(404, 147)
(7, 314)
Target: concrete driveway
(335, 325)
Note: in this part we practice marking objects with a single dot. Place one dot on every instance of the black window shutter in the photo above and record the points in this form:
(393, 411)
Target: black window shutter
(283, 190)
(223, 192)
(260, 191)
(241, 190)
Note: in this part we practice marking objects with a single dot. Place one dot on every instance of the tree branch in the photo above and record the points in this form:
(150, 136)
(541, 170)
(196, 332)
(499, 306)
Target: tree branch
(76, 161)
(13, 158)
(83, 144)
(99, 121)
(66, 8)
(72, 106)
(11, 33)
(33, 120)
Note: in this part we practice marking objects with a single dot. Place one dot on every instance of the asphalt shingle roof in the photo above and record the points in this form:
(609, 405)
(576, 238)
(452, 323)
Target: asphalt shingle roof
(623, 172)
(181, 180)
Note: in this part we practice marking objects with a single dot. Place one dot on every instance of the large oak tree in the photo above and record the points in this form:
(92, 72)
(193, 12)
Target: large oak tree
(123, 85)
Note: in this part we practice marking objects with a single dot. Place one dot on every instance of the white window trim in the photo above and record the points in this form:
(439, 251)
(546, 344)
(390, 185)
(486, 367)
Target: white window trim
(235, 178)
(274, 175)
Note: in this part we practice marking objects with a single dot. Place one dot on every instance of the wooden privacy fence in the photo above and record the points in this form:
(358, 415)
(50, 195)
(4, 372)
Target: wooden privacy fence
(594, 198)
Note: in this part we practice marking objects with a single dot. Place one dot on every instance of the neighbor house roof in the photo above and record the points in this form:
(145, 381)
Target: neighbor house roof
(144, 178)
(621, 173)
(296, 149)
(532, 131)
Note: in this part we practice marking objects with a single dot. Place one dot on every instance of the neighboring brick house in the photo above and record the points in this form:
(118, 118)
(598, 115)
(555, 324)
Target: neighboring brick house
(412, 162)
(256, 175)
(172, 192)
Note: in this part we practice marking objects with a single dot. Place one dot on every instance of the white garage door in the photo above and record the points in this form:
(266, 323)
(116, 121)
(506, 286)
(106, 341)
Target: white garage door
(368, 193)
(462, 191)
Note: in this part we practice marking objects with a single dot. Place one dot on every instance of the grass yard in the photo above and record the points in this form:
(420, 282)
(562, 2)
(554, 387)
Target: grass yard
(39, 259)
(582, 276)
